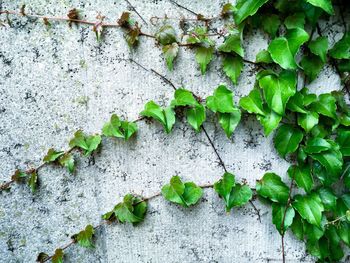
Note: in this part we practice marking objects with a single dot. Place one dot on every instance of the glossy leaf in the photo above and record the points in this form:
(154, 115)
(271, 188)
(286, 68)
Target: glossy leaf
(132, 210)
(232, 67)
(326, 5)
(87, 143)
(84, 237)
(184, 194)
(310, 207)
(319, 47)
(281, 216)
(272, 187)
(196, 116)
(221, 100)
(341, 50)
(253, 102)
(67, 160)
(52, 155)
(247, 8)
(287, 139)
(229, 121)
(165, 116)
(302, 176)
(170, 52)
(203, 57)
(166, 35)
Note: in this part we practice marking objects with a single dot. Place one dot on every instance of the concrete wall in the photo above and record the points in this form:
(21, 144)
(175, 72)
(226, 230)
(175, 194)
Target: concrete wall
(53, 82)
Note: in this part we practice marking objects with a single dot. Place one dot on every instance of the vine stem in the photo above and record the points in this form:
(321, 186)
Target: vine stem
(203, 128)
(284, 216)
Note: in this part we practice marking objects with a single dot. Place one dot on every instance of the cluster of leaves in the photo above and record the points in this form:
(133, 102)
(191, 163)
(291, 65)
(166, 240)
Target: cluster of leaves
(221, 103)
(316, 134)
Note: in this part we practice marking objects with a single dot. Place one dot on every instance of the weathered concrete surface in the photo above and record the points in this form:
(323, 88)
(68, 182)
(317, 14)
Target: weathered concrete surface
(53, 82)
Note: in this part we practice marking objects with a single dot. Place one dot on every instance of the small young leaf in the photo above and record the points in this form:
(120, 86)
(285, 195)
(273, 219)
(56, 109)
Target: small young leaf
(272, 187)
(84, 237)
(221, 101)
(232, 67)
(196, 116)
(18, 176)
(119, 129)
(279, 215)
(184, 194)
(58, 256)
(287, 139)
(203, 57)
(166, 35)
(319, 47)
(233, 194)
(52, 155)
(170, 53)
(86, 143)
(131, 210)
(229, 121)
(33, 181)
(165, 116)
(67, 160)
(310, 207)
(232, 43)
(183, 97)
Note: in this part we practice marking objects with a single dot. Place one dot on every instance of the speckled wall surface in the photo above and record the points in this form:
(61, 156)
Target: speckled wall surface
(53, 82)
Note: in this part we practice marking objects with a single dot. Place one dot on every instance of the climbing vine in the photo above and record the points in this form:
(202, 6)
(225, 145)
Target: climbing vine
(310, 131)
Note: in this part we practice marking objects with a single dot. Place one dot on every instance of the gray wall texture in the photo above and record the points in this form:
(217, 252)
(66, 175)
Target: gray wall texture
(53, 82)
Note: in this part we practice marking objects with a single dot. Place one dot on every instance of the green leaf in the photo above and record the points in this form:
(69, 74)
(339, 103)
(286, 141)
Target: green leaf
(326, 5)
(343, 231)
(247, 8)
(310, 207)
(221, 100)
(294, 21)
(196, 116)
(319, 47)
(341, 50)
(270, 24)
(343, 139)
(18, 176)
(165, 116)
(58, 256)
(279, 215)
(229, 121)
(344, 65)
(233, 194)
(232, 67)
(297, 227)
(33, 181)
(326, 105)
(84, 237)
(312, 66)
(119, 129)
(52, 155)
(296, 103)
(86, 143)
(328, 198)
(332, 160)
(184, 194)
(67, 160)
(263, 57)
(183, 97)
(166, 35)
(132, 210)
(323, 175)
(287, 139)
(203, 57)
(302, 176)
(272, 187)
(232, 43)
(308, 121)
(170, 53)
(281, 54)
(278, 90)
(317, 145)
(270, 121)
(253, 102)
(284, 49)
